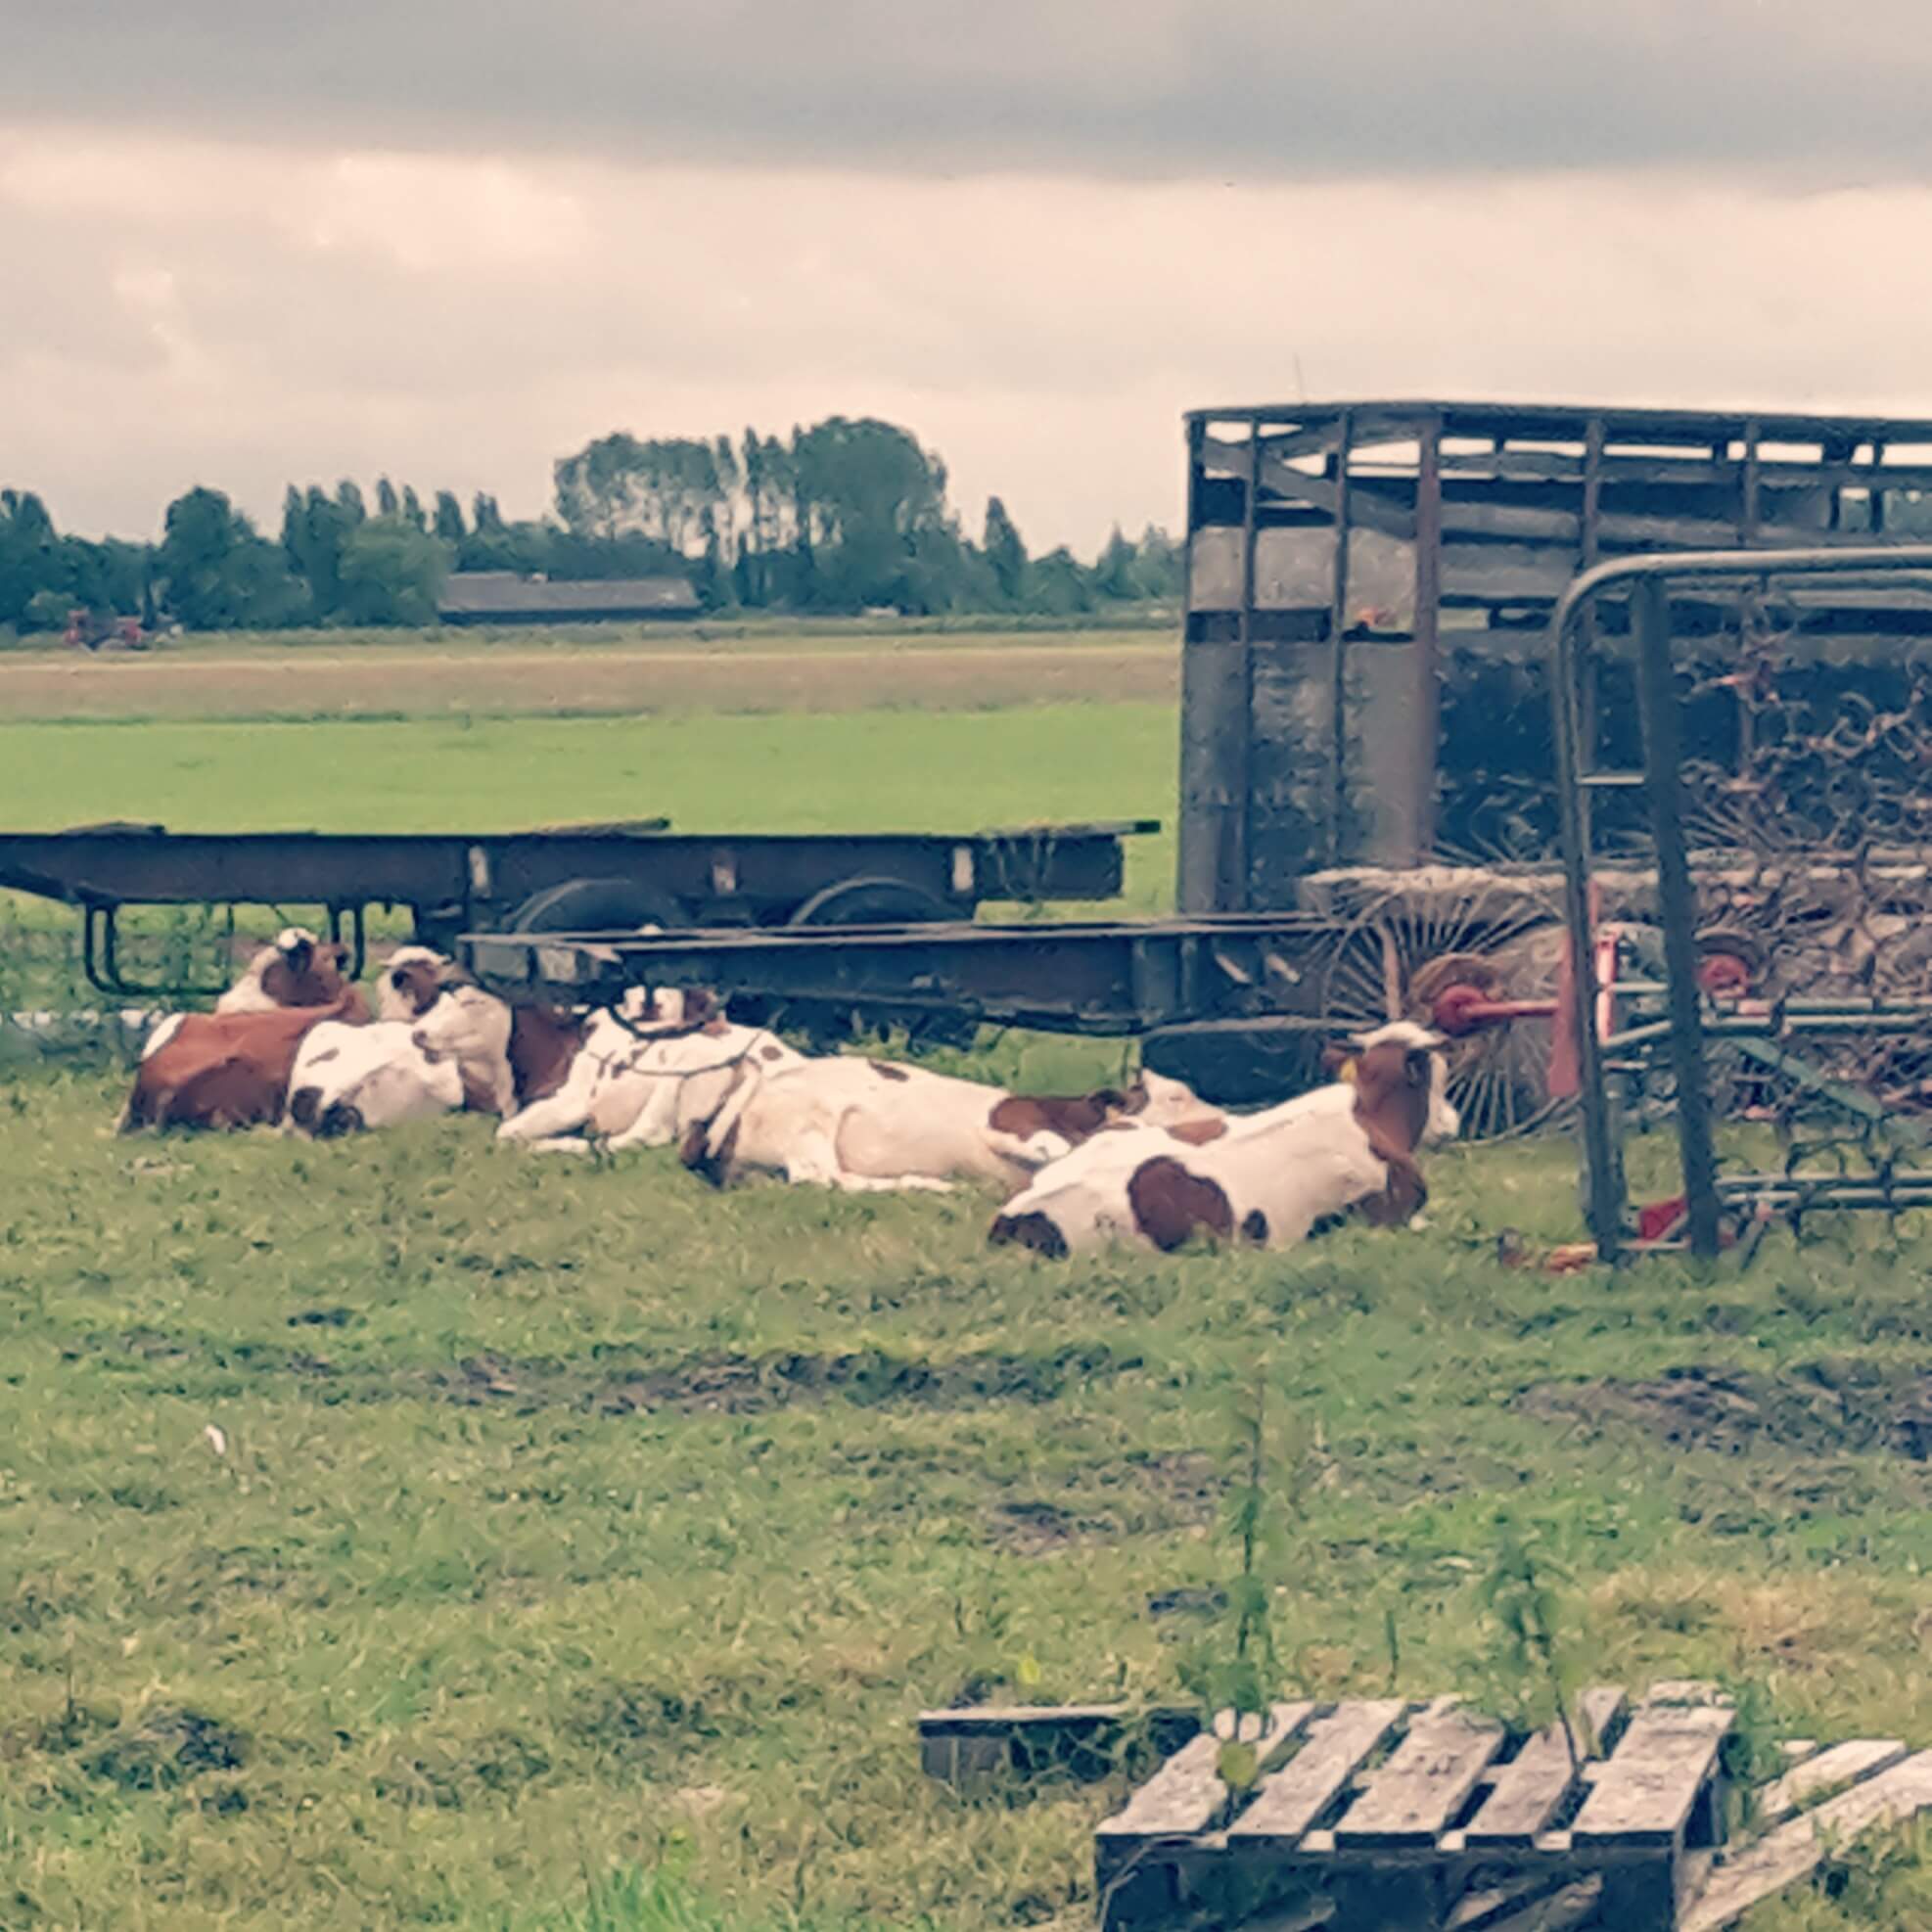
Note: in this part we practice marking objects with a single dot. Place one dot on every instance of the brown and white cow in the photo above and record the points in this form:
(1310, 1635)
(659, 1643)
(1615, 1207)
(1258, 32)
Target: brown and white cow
(646, 1076)
(871, 1126)
(354, 1078)
(1266, 1179)
(227, 1070)
(507, 1056)
(297, 970)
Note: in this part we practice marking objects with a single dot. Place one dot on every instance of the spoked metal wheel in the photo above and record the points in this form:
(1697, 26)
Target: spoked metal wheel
(874, 901)
(1403, 949)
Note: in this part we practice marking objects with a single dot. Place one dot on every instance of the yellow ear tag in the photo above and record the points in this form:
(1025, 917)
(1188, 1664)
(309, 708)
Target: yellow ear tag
(1349, 1070)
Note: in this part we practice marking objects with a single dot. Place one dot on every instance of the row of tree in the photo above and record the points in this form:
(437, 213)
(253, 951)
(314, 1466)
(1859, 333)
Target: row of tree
(844, 516)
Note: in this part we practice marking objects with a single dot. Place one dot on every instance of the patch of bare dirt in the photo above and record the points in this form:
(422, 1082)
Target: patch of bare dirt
(1040, 1528)
(1820, 1408)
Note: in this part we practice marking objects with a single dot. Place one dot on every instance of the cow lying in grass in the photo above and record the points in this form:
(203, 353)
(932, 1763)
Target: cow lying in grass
(227, 1070)
(350, 1078)
(1266, 1179)
(647, 1075)
(440, 1045)
(296, 971)
(506, 1056)
(871, 1126)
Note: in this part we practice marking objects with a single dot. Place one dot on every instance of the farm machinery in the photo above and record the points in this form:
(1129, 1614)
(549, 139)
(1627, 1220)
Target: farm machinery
(1461, 681)
(97, 631)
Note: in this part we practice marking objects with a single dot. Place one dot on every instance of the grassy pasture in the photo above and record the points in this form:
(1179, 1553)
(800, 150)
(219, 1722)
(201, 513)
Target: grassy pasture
(569, 1518)
(576, 1546)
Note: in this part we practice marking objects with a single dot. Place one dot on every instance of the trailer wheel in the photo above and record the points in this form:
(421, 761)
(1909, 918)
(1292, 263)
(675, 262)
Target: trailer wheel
(1231, 1068)
(880, 902)
(876, 901)
(598, 905)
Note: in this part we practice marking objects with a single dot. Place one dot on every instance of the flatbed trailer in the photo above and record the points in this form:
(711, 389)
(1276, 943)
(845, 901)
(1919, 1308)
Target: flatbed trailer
(1239, 1004)
(615, 876)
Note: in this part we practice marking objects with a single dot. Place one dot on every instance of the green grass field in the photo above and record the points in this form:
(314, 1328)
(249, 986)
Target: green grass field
(575, 1546)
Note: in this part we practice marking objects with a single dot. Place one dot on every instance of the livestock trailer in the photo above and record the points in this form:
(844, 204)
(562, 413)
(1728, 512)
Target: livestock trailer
(1368, 797)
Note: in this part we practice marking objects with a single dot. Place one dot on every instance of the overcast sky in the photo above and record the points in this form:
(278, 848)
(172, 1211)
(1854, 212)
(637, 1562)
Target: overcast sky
(245, 244)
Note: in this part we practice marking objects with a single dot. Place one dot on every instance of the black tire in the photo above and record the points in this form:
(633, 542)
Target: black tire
(597, 905)
(880, 902)
(875, 901)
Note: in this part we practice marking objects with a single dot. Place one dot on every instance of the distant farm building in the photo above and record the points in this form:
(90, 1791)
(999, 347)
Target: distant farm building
(505, 597)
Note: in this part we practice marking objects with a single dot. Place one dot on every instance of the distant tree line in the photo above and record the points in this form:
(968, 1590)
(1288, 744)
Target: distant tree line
(844, 516)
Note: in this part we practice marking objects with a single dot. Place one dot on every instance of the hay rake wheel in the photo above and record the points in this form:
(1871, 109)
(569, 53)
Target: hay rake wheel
(1401, 946)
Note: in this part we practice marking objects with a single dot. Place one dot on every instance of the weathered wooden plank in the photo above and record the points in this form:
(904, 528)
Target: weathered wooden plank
(1367, 507)
(1527, 1793)
(1795, 1750)
(1843, 1764)
(1599, 1718)
(1574, 1905)
(1186, 1794)
(978, 1740)
(1289, 1802)
(1562, 467)
(1787, 1854)
(1479, 1911)
(1506, 573)
(1429, 1775)
(1537, 1903)
(1015, 1717)
(1645, 1792)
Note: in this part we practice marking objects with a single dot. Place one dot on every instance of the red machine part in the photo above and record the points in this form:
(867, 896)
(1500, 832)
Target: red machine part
(1463, 1008)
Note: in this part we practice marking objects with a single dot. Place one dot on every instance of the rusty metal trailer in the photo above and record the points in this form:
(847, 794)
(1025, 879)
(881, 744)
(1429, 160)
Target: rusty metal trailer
(631, 875)
(1368, 786)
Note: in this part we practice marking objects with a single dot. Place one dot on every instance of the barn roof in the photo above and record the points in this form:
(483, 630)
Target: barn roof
(483, 594)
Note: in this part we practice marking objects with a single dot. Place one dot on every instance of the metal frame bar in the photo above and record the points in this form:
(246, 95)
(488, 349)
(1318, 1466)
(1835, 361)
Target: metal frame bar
(1338, 632)
(1604, 1194)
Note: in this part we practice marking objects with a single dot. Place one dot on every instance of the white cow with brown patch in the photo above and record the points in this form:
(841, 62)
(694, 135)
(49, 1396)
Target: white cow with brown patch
(352, 1080)
(647, 1075)
(871, 1126)
(507, 1056)
(1266, 1179)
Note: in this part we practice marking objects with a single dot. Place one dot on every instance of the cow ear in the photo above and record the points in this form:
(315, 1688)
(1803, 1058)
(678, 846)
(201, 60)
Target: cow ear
(1335, 1058)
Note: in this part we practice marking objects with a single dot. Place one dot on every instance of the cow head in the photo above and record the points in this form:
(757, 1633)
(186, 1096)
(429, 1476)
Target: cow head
(473, 1027)
(668, 1009)
(413, 982)
(1400, 1079)
(1155, 1100)
(300, 970)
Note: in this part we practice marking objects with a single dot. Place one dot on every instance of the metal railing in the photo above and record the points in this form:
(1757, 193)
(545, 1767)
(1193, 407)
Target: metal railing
(1665, 783)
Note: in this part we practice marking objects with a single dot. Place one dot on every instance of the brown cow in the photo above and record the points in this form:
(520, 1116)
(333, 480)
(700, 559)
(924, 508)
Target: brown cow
(298, 970)
(227, 1070)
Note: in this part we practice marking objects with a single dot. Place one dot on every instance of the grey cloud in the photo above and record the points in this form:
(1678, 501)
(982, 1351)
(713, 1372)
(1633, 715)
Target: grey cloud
(1254, 90)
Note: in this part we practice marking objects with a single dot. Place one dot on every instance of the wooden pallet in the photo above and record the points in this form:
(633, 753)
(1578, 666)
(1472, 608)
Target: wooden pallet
(975, 1743)
(1379, 1814)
